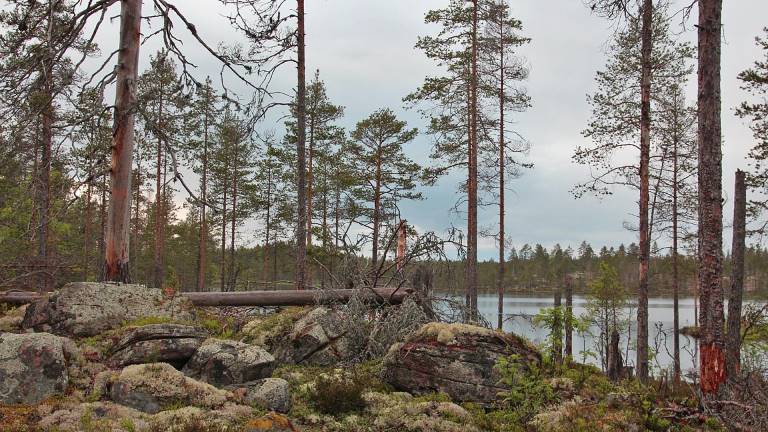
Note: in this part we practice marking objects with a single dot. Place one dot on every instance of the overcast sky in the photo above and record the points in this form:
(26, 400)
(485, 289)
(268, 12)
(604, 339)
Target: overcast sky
(364, 51)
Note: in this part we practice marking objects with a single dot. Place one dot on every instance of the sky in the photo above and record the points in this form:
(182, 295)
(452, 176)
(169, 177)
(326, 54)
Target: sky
(364, 50)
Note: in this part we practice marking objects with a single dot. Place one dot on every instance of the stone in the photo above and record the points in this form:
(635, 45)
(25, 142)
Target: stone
(272, 394)
(224, 362)
(87, 309)
(33, 366)
(456, 359)
(167, 343)
(105, 416)
(229, 417)
(317, 339)
(11, 321)
(155, 387)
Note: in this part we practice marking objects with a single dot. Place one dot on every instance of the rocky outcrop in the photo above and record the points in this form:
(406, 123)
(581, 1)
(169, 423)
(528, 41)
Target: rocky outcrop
(34, 366)
(272, 394)
(317, 339)
(87, 309)
(455, 359)
(225, 362)
(105, 416)
(167, 343)
(155, 387)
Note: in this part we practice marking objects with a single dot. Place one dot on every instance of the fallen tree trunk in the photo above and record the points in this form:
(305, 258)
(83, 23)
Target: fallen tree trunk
(258, 298)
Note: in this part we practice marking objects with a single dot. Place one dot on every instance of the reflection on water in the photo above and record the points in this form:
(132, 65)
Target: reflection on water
(520, 310)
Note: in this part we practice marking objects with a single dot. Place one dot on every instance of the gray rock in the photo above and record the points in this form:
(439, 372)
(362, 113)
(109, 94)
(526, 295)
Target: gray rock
(317, 339)
(86, 309)
(224, 362)
(273, 394)
(33, 366)
(456, 359)
(154, 387)
(166, 343)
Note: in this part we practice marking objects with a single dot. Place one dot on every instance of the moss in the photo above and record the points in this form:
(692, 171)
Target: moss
(262, 331)
(147, 320)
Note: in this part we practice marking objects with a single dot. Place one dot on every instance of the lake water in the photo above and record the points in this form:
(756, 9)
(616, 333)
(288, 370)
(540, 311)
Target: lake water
(519, 311)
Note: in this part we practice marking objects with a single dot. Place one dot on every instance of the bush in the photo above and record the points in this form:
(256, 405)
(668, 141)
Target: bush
(336, 395)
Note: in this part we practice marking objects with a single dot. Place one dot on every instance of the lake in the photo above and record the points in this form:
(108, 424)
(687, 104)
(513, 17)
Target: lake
(519, 311)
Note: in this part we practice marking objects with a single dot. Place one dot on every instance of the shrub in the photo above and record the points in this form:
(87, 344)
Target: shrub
(338, 395)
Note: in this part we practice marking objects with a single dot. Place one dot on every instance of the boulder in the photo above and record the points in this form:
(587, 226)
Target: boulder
(11, 321)
(272, 394)
(33, 366)
(106, 416)
(224, 362)
(456, 359)
(87, 309)
(317, 339)
(167, 343)
(155, 387)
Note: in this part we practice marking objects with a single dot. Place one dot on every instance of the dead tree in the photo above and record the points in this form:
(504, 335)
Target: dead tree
(710, 198)
(733, 337)
(117, 244)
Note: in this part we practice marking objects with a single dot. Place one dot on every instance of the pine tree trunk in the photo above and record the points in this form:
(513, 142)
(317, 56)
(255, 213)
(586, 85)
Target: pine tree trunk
(310, 186)
(645, 150)
(87, 232)
(733, 338)
(301, 93)
(117, 256)
(568, 318)
(136, 215)
(158, 258)
(675, 259)
(203, 235)
(376, 213)
(103, 227)
(232, 275)
(265, 263)
(502, 233)
(471, 270)
(223, 264)
(710, 198)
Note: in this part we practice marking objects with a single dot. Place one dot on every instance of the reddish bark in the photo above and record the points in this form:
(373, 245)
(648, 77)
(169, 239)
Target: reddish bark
(710, 197)
(117, 239)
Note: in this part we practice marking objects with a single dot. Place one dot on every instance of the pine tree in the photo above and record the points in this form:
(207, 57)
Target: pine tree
(385, 173)
(161, 107)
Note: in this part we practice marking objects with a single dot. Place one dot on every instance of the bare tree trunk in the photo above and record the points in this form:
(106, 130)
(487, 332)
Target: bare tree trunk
(710, 198)
(102, 227)
(87, 231)
(232, 275)
(568, 317)
(502, 233)
(159, 198)
(301, 120)
(223, 264)
(733, 338)
(645, 150)
(310, 186)
(117, 256)
(203, 236)
(675, 260)
(376, 212)
(471, 270)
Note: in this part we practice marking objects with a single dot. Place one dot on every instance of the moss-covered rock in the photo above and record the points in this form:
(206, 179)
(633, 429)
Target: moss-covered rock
(457, 359)
(155, 387)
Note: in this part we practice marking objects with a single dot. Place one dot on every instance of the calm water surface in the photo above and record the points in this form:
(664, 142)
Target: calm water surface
(520, 310)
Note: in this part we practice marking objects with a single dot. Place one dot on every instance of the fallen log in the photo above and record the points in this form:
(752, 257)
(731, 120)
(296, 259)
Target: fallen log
(258, 298)
(295, 298)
